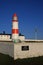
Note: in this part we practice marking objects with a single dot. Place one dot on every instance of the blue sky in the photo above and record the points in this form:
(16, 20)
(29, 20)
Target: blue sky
(30, 16)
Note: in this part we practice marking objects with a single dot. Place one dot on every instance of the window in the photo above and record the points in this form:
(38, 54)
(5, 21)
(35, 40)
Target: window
(1, 35)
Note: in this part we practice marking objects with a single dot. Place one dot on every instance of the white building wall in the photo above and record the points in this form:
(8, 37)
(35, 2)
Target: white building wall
(4, 37)
(35, 49)
(22, 38)
(7, 37)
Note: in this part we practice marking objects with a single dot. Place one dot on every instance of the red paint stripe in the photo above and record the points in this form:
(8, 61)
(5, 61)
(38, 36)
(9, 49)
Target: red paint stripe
(15, 31)
(14, 20)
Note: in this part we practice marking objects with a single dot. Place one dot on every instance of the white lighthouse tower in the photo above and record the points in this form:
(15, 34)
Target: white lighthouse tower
(15, 32)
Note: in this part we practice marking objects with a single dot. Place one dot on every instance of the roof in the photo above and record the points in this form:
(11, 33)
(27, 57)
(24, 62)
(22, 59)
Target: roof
(14, 15)
(4, 34)
(9, 34)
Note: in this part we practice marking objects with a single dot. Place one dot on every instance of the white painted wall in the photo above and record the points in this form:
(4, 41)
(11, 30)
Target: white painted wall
(35, 49)
(4, 37)
(22, 38)
(7, 37)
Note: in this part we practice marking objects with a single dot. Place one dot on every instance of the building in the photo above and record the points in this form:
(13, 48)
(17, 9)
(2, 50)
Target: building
(5, 37)
(8, 37)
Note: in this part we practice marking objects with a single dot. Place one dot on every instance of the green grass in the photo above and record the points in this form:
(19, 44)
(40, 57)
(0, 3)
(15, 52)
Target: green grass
(7, 60)
(30, 61)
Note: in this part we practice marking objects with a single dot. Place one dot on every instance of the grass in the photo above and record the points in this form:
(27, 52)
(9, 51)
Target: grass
(30, 61)
(7, 60)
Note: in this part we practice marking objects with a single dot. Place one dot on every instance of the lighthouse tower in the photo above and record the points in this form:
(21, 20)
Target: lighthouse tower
(15, 32)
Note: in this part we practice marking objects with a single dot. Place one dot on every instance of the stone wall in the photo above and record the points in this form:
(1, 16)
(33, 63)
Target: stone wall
(32, 50)
(22, 50)
(7, 48)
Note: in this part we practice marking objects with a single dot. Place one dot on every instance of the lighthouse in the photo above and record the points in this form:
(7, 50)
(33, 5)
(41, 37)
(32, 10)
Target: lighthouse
(15, 31)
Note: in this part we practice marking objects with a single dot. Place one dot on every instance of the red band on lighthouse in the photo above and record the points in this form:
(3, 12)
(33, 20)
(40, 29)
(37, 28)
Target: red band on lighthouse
(14, 20)
(15, 31)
